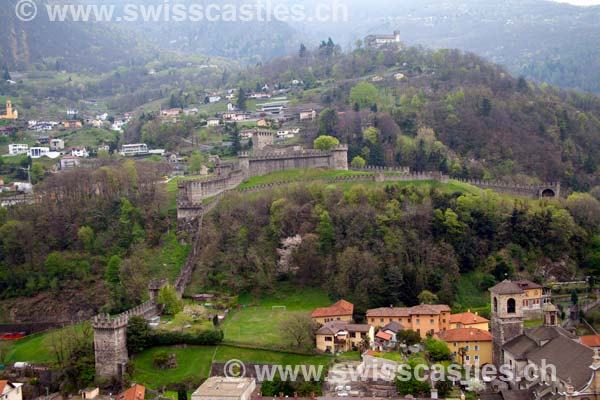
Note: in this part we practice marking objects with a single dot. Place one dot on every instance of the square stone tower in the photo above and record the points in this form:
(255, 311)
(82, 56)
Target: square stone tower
(261, 139)
(110, 346)
(507, 316)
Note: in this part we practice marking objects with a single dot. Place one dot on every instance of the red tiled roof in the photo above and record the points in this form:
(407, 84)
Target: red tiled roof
(467, 318)
(341, 307)
(3, 384)
(465, 335)
(591, 340)
(383, 335)
(136, 392)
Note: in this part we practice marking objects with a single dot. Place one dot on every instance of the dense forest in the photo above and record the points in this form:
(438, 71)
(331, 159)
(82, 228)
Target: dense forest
(445, 110)
(377, 246)
(91, 232)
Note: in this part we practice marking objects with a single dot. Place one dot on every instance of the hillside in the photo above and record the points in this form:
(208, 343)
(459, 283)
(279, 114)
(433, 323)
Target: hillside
(66, 45)
(447, 110)
(544, 40)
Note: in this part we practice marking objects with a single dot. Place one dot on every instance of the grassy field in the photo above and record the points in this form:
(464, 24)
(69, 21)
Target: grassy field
(469, 295)
(258, 323)
(194, 362)
(36, 348)
(298, 175)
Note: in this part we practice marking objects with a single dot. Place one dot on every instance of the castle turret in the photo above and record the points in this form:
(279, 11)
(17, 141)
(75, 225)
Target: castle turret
(110, 346)
(339, 158)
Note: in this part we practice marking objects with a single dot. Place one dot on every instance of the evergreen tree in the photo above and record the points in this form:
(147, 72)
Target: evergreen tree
(241, 99)
(302, 52)
(5, 73)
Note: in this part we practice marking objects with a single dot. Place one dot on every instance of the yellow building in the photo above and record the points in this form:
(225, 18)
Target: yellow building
(424, 319)
(535, 298)
(469, 346)
(469, 320)
(11, 112)
(342, 336)
(339, 311)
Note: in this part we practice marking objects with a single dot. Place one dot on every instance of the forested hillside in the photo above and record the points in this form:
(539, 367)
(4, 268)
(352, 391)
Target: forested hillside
(446, 110)
(98, 234)
(377, 246)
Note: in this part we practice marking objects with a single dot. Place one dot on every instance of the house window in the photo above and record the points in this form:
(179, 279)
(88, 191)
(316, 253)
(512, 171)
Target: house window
(467, 358)
(373, 320)
(495, 304)
(431, 321)
(476, 358)
(467, 348)
(381, 320)
(328, 339)
(476, 348)
(454, 344)
(418, 321)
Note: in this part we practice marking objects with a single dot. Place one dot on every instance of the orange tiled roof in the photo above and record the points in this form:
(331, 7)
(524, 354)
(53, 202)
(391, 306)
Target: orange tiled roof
(341, 307)
(591, 340)
(465, 335)
(3, 384)
(383, 335)
(136, 392)
(467, 318)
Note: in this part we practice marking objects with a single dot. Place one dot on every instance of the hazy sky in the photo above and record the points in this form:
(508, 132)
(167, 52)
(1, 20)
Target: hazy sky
(580, 2)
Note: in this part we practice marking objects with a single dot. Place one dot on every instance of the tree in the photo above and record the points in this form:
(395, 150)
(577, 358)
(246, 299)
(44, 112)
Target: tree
(182, 394)
(426, 297)
(5, 73)
(326, 232)
(196, 161)
(85, 234)
(181, 320)
(241, 99)
(364, 94)
(302, 52)
(574, 297)
(168, 298)
(138, 334)
(328, 119)
(438, 350)
(299, 329)
(407, 382)
(112, 270)
(358, 162)
(325, 142)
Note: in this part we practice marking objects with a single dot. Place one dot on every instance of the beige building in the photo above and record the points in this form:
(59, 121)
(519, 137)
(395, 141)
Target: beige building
(469, 346)
(342, 336)
(11, 112)
(469, 320)
(338, 311)
(424, 319)
(221, 388)
(10, 390)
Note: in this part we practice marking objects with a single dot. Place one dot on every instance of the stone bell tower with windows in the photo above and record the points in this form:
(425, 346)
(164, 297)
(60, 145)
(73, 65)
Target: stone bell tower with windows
(507, 316)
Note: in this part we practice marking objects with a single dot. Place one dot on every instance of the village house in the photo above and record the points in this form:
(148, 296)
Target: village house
(534, 300)
(11, 112)
(79, 152)
(69, 162)
(225, 388)
(308, 115)
(235, 116)
(386, 338)
(469, 320)
(469, 346)
(376, 41)
(90, 393)
(10, 390)
(342, 336)
(38, 152)
(16, 149)
(339, 311)
(213, 122)
(135, 392)
(71, 124)
(135, 149)
(214, 99)
(57, 144)
(424, 319)
(103, 147)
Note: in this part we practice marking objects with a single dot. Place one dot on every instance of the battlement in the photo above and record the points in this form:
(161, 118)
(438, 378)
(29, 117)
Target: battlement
(263, 133)
(105, 321)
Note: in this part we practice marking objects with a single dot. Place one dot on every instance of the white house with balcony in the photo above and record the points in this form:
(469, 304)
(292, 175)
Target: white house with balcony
(16, 149)
(136, 149)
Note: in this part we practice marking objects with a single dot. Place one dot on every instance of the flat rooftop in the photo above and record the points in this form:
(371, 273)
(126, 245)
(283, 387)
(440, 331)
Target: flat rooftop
(218, 386)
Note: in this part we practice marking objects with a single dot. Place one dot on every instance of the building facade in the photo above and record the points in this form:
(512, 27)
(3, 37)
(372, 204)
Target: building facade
(424, 319)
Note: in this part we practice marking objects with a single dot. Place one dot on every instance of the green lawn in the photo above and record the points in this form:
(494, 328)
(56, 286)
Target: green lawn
(259, 324)
(299, 175)
(469, 295)
(193, 362)
(36, 348)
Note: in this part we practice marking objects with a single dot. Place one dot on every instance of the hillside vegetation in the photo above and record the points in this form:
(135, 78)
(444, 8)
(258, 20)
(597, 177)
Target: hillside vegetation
(381, 245)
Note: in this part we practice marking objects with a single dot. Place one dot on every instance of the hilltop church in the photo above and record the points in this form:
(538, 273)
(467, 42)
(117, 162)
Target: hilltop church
(11, 112)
